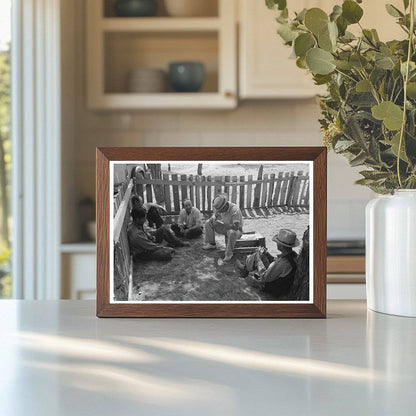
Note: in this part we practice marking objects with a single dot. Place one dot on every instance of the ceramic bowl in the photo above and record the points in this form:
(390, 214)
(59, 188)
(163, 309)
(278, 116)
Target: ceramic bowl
(135, 8)
(147, 80)
(186, 76)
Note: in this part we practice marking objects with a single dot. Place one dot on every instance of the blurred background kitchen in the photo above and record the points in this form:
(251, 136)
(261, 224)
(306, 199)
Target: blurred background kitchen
(175, 73)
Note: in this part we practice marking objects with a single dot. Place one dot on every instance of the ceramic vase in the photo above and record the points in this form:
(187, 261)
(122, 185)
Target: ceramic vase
(391, 253)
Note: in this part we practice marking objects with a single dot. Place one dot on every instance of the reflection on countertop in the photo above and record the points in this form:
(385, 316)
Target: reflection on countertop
(58, 358)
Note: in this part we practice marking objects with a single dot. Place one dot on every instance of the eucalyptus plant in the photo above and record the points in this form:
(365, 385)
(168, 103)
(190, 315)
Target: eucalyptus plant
(369, 112)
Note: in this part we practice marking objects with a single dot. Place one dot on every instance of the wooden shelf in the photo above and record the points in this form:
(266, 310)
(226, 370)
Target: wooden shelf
(159, 24)
(168, 100)
(346, 264)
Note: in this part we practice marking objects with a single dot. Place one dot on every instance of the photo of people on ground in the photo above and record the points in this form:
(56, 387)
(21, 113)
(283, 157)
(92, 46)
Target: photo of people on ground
(211, 232)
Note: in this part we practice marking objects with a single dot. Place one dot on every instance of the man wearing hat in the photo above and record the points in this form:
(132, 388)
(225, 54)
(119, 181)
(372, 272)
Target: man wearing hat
(226, 220)
(274, 276)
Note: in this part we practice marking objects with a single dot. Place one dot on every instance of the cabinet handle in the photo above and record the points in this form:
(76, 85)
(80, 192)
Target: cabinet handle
(228, 94)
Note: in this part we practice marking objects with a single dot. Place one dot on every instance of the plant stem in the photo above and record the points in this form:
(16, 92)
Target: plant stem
(406, 80)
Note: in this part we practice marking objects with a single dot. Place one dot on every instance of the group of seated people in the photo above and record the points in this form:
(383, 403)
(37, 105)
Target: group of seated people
(147, 232)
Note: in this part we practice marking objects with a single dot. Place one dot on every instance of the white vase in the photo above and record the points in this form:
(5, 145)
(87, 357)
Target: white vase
(391, 253)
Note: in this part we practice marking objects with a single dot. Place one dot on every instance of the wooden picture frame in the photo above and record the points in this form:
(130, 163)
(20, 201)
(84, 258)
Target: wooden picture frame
(316, 308)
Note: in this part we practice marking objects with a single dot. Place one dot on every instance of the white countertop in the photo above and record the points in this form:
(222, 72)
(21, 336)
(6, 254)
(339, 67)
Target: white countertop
(58, 359)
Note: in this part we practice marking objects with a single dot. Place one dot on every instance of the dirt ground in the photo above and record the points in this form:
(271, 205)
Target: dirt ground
(198, 275)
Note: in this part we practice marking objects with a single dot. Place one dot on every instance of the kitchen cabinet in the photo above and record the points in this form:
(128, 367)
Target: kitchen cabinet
(116, 46)
(265, 70)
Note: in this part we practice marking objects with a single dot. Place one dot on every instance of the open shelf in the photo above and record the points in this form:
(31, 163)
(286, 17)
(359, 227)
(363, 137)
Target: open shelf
(116, 46)
(127, 51)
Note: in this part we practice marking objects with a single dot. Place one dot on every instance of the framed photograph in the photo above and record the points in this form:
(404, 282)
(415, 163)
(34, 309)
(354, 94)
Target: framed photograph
(211, 232)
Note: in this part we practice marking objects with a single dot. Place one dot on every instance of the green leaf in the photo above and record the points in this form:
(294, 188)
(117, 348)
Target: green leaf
(374, 150)
(321, 79)
(301, 63)
(300, 17)
(374, 175)
(276, 4)
(325, 43)
(358, 160)
(342, 25)
(303, 43)
(316, 20)
(358, 61)
(385, 63)
(319, 61)
(343, 65)
(364, 181)
(393, 11)
(343, 145)
(406, 4)
(375, 35)
(351, 11)
(286, 32)
(363, 86)
(394, 145)
(391, 114)
(411, 90)
(348, 37)
(336, 12)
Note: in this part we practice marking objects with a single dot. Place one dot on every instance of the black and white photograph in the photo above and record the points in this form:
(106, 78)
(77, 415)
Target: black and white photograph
(211, 232)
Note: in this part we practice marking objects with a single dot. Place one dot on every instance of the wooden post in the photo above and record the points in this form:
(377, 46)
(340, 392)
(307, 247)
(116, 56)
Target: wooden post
(203, 188)
(277, 189)
(209, 196)
(176, 203)
(290, 190)
(234, 190)
(249, 191)
(270, 195)
(295, 198)
(197, 193)
(264, 191)
(191, 190)
(257, 189)
(156, 173)
(184, 190)
(218, 185)
(282, 200)
(242, 179)
(148, 188)
(168, 205)
(227, 187)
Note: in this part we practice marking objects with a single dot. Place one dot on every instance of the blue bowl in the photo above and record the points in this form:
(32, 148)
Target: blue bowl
(186, 76)
(136, 8)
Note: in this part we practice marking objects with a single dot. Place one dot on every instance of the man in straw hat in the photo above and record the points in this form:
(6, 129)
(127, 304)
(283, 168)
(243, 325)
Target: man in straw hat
(274, 276)
(226, 220)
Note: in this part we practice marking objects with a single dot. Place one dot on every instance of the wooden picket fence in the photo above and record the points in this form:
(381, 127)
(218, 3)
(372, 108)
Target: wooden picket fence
(286, 191)
(122, 257)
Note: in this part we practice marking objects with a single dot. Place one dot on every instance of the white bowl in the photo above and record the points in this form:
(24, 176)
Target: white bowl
(146, 80)
(191, 8)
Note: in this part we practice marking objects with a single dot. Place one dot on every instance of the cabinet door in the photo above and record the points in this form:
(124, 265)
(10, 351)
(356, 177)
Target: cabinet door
(265, 68)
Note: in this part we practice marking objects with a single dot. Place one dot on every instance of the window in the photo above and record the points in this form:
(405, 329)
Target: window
(5, 147)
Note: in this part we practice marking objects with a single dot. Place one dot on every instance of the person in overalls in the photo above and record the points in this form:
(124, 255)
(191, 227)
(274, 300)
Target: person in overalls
(272, 275)
(227, 220)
